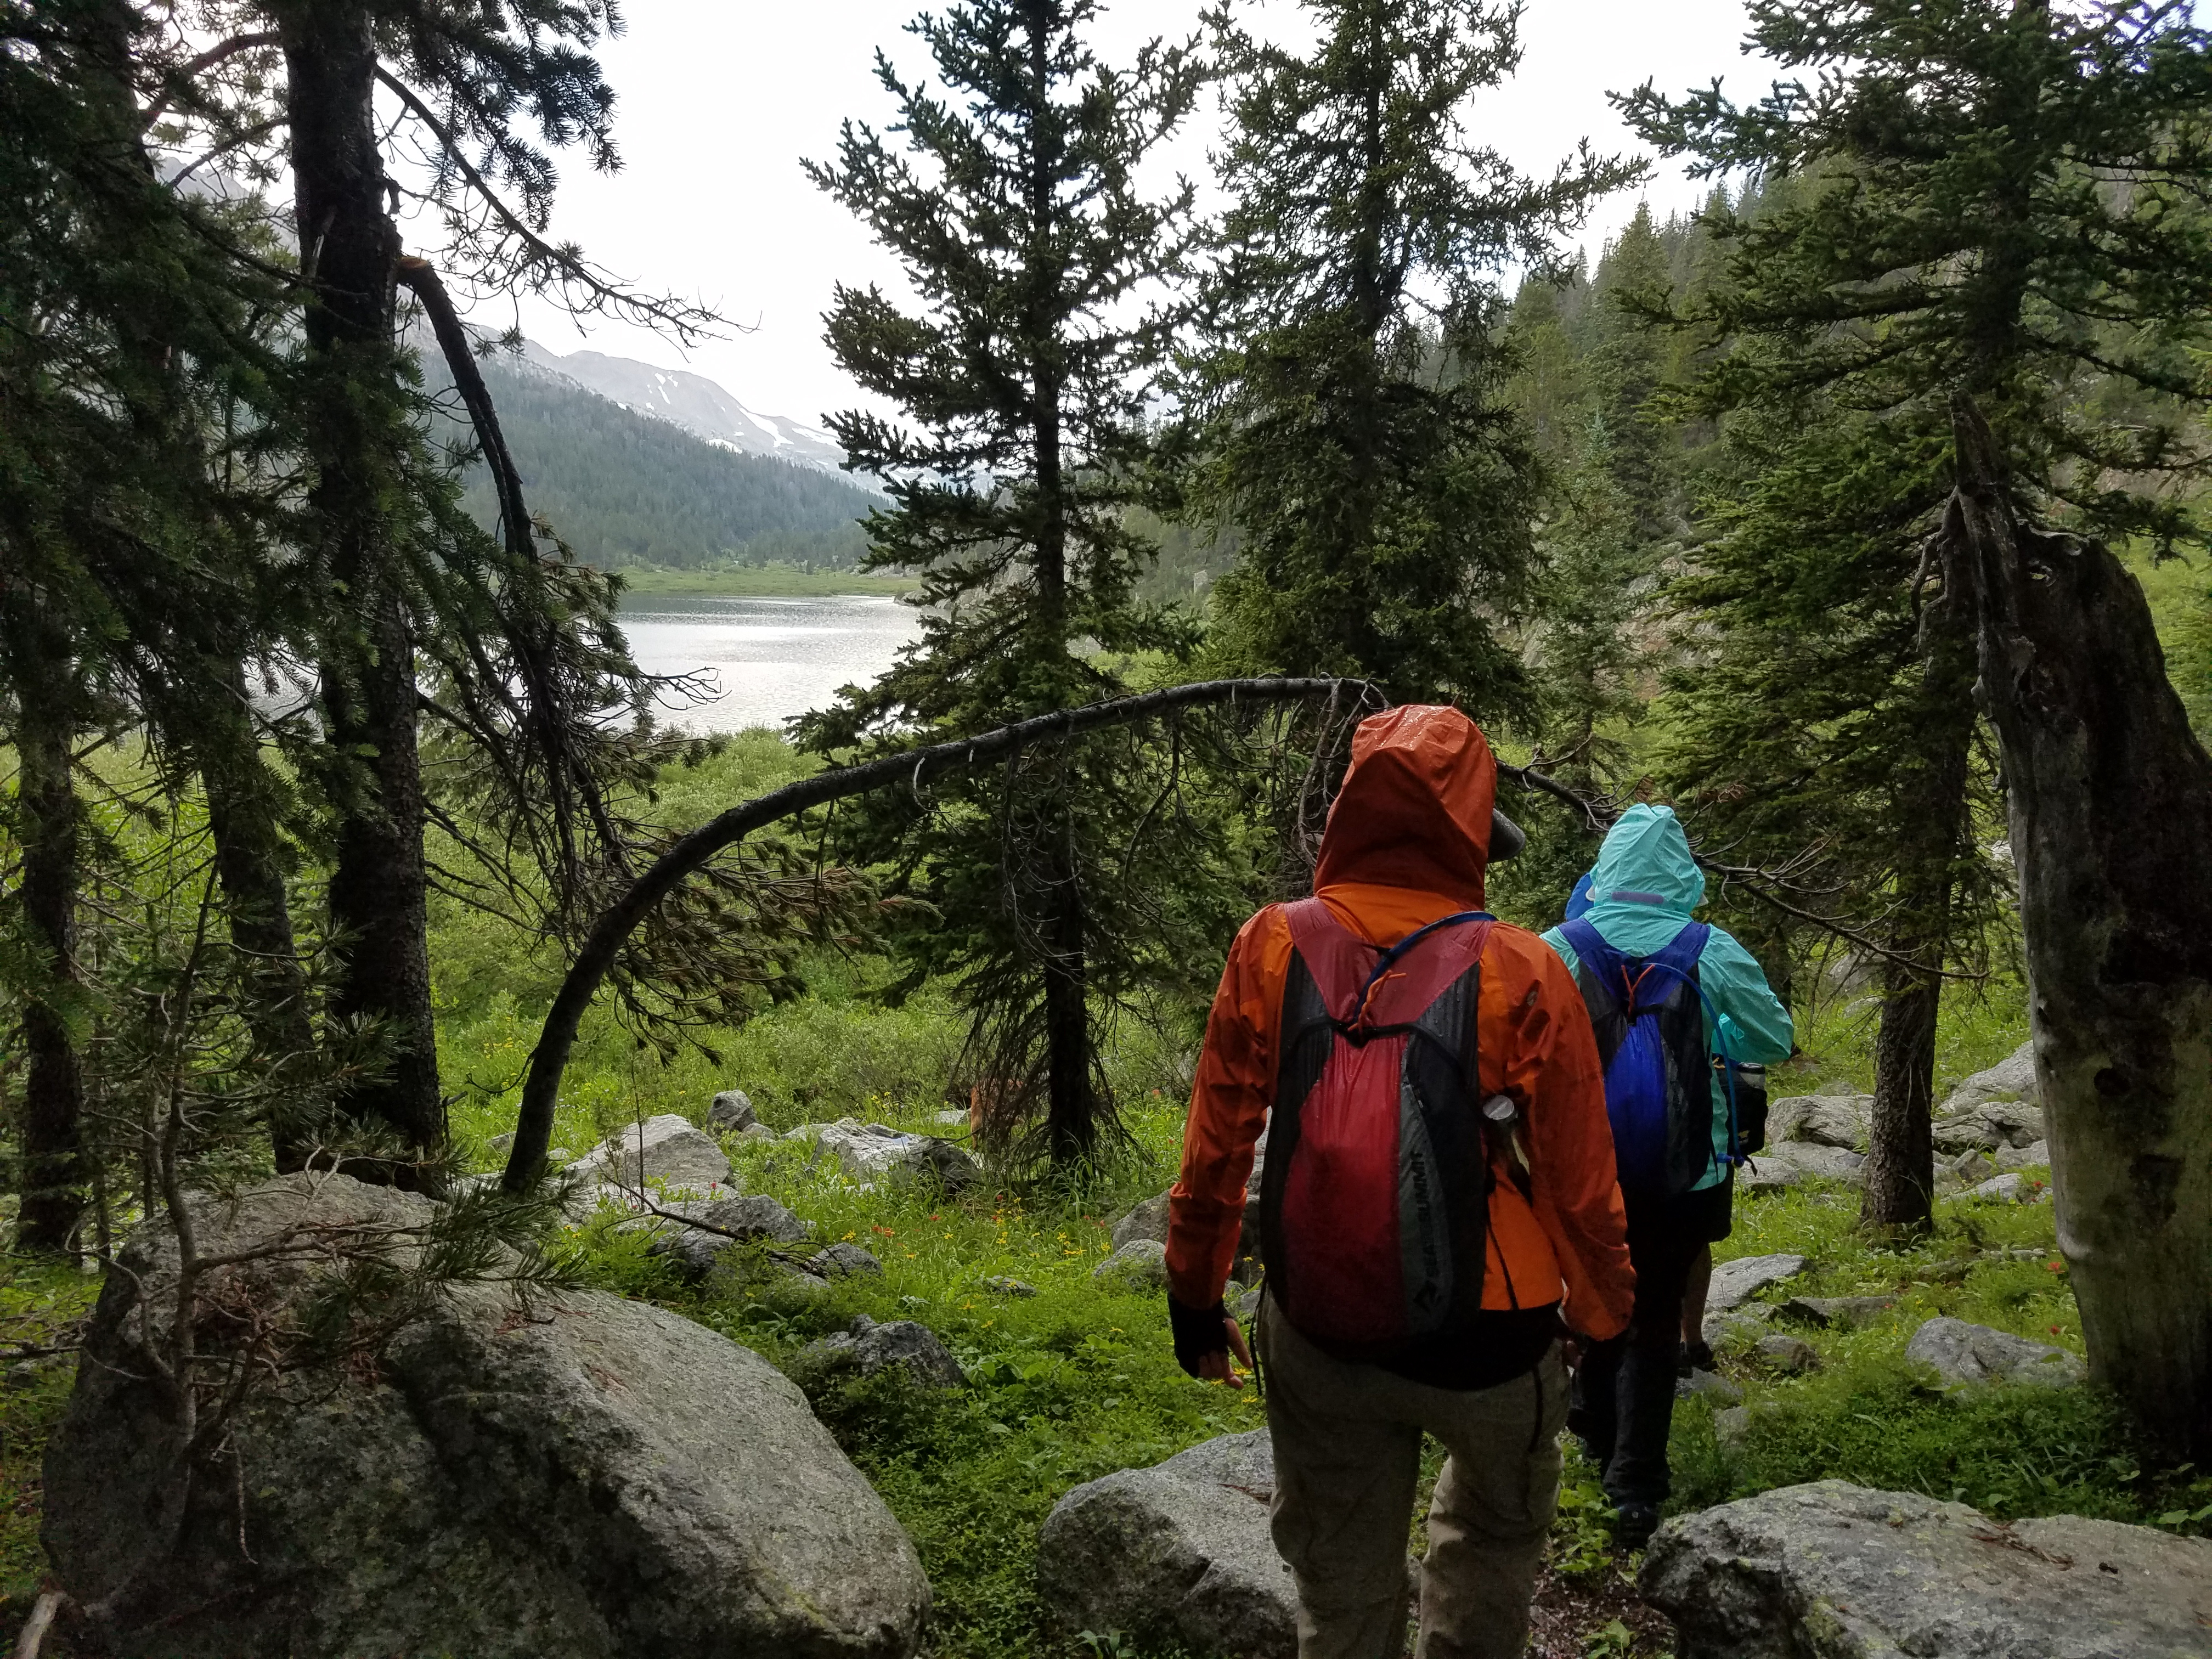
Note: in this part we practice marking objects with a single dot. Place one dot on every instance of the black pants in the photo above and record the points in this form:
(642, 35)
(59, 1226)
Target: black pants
(1624, 1398)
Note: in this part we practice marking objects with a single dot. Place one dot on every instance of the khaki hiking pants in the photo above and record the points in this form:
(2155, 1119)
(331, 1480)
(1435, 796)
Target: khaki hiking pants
(1347, 1442)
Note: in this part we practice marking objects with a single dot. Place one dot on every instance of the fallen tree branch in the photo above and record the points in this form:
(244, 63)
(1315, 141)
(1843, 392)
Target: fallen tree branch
(42, 1620)
(533, 1128)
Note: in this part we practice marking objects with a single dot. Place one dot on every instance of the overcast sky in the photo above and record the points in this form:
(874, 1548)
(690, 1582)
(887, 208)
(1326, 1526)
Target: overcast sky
(719, 101)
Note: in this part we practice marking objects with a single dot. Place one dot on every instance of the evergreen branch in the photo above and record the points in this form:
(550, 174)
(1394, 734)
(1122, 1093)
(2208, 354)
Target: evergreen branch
(181, 77)
(689, 323)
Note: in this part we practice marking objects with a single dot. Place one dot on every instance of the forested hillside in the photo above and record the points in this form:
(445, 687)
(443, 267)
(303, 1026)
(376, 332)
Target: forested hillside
(623, 489)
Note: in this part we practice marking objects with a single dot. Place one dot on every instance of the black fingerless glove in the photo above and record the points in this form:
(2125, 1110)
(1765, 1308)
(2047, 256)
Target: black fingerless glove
(1198, 1332)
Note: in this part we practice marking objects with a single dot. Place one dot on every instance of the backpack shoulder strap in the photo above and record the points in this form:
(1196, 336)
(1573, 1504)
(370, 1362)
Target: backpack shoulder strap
(1338, 959)
(1591, 950)
(1681, 953)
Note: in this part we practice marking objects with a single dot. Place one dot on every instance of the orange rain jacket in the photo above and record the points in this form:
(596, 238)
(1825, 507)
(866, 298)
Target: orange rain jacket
(1408, 841)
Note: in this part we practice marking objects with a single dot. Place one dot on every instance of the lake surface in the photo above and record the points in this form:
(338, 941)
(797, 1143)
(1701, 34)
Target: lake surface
(768, 659)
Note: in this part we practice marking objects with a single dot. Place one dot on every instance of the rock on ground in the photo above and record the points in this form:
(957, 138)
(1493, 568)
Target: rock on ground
(869, 1347)
(1837, 1312)
(2014, 1122)
(876, 1151)
(1178, 1553)
(1972, 1167)
(1737, 1328)
(1139, 1265)
(2012, 1077)
(588, 1478)
(1840, 1121)
(697, 1250)
(1831, 1570)
(1960, 1353)
(667, 1150)
(1711, 1386)
(2036, 1155)
(2012, 1188)
(839, 1261)
(1148, 1220)
(1736, 1282)
(732, 1110)
(1955, 1136)
(1788, 1162)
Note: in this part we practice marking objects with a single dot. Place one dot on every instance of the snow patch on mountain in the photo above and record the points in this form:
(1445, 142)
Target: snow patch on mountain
(693, 402)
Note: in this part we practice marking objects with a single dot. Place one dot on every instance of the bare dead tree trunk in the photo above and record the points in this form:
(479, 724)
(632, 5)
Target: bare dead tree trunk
(2111, 810)
(51, 1109)
(1934, 833)
(348, 245)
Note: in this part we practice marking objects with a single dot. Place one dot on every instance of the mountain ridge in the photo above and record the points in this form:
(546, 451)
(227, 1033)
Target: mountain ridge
(700, 405)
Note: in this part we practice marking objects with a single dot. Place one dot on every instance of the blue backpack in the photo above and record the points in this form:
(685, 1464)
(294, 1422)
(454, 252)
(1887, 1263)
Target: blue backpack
(1649, 1015)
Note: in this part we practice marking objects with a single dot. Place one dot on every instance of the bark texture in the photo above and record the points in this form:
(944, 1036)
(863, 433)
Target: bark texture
(2111, 811)
(378, 888)
(1934, 833)
(251, 857)
(50, 1118)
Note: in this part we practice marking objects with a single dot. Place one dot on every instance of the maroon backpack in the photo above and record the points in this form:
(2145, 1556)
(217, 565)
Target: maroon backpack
(1374, 1202)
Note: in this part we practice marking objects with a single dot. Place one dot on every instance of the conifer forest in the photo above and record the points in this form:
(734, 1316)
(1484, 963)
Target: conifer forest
(491, 1169)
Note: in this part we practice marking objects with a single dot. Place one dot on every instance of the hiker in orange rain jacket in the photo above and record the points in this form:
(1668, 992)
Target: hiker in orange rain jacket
(1436, 1213)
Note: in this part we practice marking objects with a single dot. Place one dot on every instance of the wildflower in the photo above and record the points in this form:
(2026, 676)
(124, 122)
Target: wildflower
(2054, 1266)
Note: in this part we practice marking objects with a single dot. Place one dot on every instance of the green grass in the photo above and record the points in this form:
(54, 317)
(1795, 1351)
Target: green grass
(762, 582)
(40, 1306)
(1078, 1380)
(1069, 1385)
(1865, 1416)
(1981, 1025)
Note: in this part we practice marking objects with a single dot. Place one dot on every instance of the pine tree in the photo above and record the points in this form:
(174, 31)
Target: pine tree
(130, 327)
(1614, 511)
(381, 531)
(1013, 204)
(1822, 722)
(1353, 423)
(1998, 204)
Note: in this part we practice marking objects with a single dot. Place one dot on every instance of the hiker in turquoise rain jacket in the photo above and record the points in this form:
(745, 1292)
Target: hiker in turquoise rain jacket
(1678, 1188)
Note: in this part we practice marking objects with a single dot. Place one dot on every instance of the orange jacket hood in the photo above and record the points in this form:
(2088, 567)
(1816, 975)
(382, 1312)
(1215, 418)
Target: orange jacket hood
(1414, 810)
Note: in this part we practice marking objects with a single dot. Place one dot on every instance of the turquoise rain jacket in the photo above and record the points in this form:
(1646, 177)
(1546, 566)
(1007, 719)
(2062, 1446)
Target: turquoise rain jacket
(1642, 889)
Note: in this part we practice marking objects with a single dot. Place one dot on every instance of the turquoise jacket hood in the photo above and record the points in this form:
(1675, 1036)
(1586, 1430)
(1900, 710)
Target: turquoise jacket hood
(1646, 860)
(1642, 892)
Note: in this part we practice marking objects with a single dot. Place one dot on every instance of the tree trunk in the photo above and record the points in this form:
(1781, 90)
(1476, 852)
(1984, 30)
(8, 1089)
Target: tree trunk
(51, 1115)
(1071, 1122)
(356, 430)
(1900, 1166)
(2110, 810)
(249, 861)
(1934, 833)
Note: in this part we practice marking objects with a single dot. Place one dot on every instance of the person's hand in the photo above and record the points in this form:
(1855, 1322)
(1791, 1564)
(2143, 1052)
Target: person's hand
(1216, 1368)
(1570, 1350)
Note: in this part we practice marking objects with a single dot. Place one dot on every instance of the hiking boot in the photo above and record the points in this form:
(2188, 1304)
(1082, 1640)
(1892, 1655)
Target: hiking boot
(1633, 1525)
(1694, 1357)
